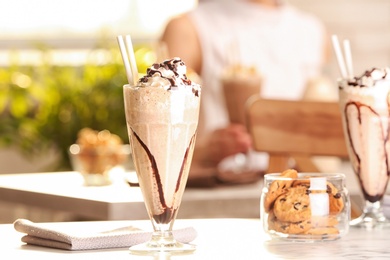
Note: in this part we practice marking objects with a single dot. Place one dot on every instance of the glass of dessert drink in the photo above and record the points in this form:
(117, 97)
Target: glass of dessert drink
(365, 107)
(162, 117)
(239, 83)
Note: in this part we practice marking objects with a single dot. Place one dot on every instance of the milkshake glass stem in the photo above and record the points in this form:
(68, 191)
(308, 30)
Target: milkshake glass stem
(372, 216)
(162, 241)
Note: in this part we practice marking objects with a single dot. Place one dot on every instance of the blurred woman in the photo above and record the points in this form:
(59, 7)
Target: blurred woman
(287, 47)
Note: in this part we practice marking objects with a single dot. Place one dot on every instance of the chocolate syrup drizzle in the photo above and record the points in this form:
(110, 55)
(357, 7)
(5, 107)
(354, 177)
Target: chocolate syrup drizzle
(358, 106)
(367, 73)
(169, 212)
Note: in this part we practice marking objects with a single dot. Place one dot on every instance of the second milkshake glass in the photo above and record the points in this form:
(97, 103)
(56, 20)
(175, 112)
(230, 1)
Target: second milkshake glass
(162, 127)
(366, 121)
(239, 83)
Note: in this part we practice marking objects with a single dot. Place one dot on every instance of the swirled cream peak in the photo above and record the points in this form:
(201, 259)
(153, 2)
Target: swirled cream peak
(370, 77)
(169, 74)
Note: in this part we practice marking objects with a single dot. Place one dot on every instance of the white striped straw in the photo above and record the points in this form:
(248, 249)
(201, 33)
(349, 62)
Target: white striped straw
(133, 64)
(125, 59)
(348, 58)
(339, 56)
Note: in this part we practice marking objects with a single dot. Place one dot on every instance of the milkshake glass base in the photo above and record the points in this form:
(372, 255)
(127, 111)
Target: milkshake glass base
(162, 243)
(372, 217)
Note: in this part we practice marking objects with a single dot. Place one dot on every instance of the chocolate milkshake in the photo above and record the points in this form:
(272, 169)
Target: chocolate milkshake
(365, 104)
(162, 117)
(238, 84)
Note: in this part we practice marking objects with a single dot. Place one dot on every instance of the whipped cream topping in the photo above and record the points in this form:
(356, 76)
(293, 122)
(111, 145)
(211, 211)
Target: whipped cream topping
(370, 77)
(169, 74)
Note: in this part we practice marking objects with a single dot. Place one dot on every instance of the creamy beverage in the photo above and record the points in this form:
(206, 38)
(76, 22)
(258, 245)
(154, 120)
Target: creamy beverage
(365, 104)
(162, 117)
(238, 84)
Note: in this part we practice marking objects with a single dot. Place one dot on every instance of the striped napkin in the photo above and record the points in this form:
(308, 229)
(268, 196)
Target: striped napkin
(81, 236)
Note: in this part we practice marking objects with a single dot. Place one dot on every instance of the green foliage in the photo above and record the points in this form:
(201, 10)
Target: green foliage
(44, 106)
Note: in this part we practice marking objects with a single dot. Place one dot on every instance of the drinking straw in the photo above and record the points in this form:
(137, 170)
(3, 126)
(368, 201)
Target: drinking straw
(348, 58)
(125, 59)
(339, 56)
(133, 64)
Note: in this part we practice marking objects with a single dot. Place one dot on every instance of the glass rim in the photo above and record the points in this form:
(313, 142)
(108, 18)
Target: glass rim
(128, 85)
(306, 175)
(75, 149)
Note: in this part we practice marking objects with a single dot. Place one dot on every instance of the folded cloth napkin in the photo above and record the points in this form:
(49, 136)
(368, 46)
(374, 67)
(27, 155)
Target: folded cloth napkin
(63, 236)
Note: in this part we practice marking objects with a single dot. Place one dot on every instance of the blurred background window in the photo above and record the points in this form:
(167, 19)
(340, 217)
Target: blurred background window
(53, 55)
(76, 23)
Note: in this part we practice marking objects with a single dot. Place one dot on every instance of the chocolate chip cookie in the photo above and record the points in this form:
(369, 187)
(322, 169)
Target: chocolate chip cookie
(336, 202)
(287, 227)
(278, 187)
(294, 205)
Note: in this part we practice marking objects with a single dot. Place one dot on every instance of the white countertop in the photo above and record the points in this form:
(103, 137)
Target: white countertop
(217, 239)
(65, 191)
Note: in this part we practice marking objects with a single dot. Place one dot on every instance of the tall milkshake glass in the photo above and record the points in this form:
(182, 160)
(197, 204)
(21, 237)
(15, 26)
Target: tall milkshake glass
(162, 118)
(239, 83)
(365, 105)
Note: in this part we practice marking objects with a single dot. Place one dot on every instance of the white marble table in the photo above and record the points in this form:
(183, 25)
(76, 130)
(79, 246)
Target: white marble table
(217, 239)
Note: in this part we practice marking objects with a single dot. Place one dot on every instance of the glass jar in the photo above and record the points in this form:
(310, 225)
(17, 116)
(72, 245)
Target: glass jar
(309, 207)
(96, 164)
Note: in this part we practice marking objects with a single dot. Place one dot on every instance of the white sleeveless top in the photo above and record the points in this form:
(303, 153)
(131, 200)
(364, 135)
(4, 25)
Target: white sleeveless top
(284, 44)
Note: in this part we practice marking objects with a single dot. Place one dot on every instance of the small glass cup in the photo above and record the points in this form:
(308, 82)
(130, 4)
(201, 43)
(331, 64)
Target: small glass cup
(95, 164)
(312, 207)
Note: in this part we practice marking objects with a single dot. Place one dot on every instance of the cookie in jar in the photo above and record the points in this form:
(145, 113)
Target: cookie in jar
(305, 206)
